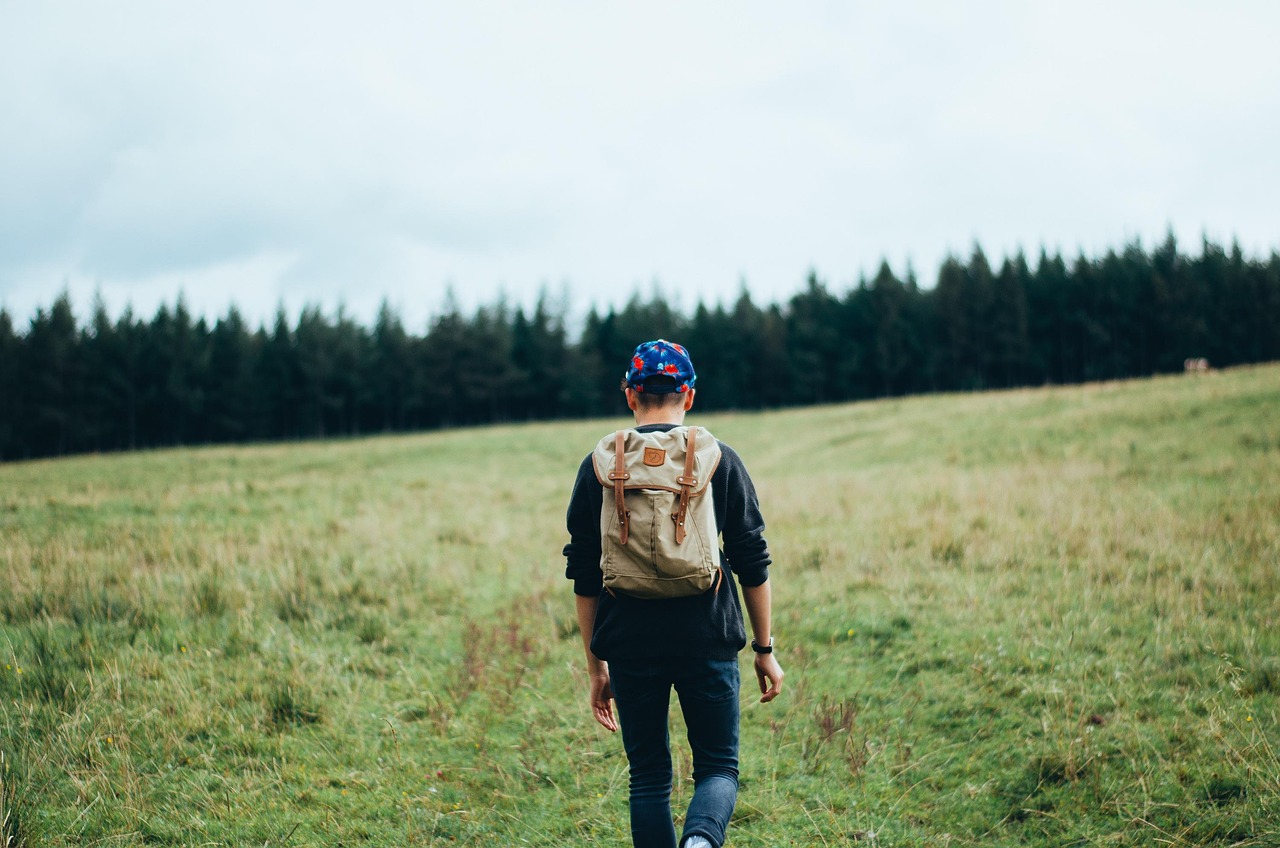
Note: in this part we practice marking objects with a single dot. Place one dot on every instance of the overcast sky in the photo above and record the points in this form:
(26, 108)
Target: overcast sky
(264, 153)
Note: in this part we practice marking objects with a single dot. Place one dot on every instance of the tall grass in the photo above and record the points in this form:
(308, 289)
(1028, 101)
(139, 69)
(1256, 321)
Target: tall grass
(1039, 617)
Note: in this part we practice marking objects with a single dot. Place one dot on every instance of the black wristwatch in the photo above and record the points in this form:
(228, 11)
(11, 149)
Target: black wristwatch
(762, 649)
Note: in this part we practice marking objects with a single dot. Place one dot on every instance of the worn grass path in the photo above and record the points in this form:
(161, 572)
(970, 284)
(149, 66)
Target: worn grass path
(1044, 617)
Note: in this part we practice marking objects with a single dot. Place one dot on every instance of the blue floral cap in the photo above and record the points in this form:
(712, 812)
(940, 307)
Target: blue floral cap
(661, 358)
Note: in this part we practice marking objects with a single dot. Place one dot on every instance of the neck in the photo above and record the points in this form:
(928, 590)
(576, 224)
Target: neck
(661, 415)
(669, 413)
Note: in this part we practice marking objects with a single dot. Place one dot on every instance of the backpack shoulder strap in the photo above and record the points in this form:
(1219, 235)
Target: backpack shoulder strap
(619, 476)
(687, 482)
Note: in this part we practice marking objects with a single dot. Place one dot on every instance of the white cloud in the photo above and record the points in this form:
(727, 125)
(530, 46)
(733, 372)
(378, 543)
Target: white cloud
(333, 153)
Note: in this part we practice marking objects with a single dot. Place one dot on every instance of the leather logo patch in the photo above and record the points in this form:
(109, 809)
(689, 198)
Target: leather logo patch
(654, 456)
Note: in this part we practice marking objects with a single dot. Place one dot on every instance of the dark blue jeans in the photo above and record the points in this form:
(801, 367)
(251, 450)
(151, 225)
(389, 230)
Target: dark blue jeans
(708, 694)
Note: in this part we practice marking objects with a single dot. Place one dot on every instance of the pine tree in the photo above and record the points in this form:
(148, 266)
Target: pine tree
(233, 412)
(540, 363)
(953, 342)
(174, 380)
(1009, 344)
(350, 347)
(313, 340)
(891, 351)
(485, 369)
(443, 367)
(277, 381)
(814, 345)
(1266, 286)
(109, 388)
(590, 392)
(50, 365)
(1047, 322)
(11, 406)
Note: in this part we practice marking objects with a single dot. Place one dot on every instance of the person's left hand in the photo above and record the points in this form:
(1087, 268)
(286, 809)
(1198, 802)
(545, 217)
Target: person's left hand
(602, 700)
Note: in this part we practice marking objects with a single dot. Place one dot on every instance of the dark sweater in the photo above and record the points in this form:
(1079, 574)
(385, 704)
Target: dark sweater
(707, 625)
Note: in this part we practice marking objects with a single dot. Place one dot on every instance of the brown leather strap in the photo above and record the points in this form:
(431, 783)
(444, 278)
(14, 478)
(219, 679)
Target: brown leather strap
(687, 481)
(618, 475)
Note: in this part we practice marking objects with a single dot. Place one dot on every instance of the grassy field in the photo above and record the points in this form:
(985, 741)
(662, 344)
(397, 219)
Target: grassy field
(1042, 617)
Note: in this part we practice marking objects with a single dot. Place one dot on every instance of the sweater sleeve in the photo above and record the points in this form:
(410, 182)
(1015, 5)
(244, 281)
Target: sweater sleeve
(742, 530)
(582, 554)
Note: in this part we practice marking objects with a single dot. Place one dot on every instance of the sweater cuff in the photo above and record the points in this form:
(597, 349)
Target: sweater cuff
(753, 576)
(587, 586)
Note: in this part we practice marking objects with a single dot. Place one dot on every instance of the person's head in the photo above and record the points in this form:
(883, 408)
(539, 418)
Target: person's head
(659, 382)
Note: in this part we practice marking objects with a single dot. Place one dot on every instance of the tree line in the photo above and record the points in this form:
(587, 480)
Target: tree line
(175, 379)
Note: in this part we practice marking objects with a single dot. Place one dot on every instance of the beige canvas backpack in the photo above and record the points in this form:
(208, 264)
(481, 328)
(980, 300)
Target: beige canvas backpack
(658, 536)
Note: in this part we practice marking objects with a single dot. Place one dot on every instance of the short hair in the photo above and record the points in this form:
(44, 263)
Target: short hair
(654, 400)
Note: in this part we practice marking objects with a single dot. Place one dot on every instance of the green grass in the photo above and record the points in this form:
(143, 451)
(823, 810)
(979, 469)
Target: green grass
(1041, 617)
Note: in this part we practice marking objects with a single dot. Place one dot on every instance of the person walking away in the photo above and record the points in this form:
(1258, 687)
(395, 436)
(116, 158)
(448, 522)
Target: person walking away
(657, 596)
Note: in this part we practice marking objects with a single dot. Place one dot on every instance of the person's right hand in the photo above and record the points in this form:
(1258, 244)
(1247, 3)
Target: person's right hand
(770, 674)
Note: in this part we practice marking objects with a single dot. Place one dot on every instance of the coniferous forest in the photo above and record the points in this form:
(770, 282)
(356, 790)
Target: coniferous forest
(108, 384)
